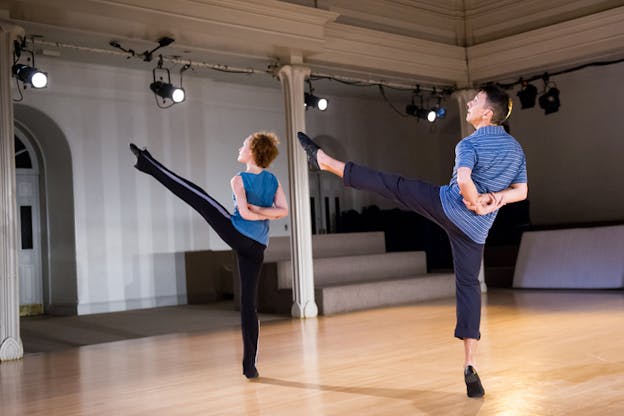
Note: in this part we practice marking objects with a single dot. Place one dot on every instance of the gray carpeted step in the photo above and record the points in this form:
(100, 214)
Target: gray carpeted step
(357, 296)
(349, 269)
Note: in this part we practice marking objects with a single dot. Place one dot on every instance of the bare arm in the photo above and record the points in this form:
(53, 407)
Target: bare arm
(483, 204)
(279, 208)
(241, 200)
(515, 193)
(467, 188)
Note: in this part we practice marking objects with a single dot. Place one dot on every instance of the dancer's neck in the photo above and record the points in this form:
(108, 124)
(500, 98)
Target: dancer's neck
(252, 168)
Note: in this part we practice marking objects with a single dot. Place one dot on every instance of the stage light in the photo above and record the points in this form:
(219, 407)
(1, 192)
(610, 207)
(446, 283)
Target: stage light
(163, 88)
(29, 75)
(416, 111)
(322, 104)
(166, 90)
(527, 95)
(549, 101)
(312, 101)
(432, 115)
(436, 113)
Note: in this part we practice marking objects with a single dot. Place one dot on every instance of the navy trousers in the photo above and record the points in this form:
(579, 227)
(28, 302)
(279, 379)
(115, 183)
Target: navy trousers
(424, 198)
(249, 252)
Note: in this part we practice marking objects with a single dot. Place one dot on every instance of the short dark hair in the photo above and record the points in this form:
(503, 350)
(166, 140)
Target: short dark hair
(499, 102)
(264, 148)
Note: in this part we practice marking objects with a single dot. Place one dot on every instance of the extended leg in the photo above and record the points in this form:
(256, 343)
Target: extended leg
(214, 213)
(419, 196)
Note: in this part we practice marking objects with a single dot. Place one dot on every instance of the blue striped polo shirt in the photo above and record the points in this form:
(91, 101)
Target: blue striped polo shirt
(497, 161)
(260, 189)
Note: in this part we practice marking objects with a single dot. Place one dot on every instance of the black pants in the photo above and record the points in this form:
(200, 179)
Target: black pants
(424, 198)
(249, 252)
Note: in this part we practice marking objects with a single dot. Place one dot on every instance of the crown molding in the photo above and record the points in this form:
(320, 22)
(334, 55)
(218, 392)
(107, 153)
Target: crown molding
(598, 36)
(380, 52)
(253, 27)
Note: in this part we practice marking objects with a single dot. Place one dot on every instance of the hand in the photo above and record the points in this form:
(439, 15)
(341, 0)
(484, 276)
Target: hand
(485, 204)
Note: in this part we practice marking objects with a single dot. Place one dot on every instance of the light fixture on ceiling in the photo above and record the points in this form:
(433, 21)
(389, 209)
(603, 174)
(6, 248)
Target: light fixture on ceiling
(164, 88)
(27, 74)
(312, 101)
(423, 112)
(549, 101)
(30, 75)
(527, 94)
(438, 111)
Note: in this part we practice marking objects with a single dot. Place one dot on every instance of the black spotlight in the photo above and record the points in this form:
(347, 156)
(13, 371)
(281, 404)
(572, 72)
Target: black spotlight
(312, 101)
(416, 111)
(549, 101)
(31, 76)
(437, 112)
(527, 95)
(166, 90)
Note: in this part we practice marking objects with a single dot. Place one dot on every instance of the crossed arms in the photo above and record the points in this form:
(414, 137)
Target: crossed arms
(482, 204)
(253, 212)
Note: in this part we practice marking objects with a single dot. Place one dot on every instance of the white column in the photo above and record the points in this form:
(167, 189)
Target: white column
(293, 78)
(10, 342)
(462, 97)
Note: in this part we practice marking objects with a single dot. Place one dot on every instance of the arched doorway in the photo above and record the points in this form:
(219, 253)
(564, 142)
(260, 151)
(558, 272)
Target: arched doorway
(49, 150)
(29, 217)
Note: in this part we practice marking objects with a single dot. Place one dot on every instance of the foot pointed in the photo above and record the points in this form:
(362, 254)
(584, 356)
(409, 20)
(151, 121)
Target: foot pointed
(311, 150)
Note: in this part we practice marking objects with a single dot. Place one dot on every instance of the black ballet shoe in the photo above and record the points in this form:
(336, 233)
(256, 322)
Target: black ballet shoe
(474, 388)
(311, 149)
(135, 149)
(251, 373)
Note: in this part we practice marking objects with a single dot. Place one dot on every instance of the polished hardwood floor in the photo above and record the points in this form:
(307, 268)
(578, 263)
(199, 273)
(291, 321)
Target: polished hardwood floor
(542, 353)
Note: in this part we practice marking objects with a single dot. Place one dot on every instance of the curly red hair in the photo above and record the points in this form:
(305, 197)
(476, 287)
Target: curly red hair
(263, 147)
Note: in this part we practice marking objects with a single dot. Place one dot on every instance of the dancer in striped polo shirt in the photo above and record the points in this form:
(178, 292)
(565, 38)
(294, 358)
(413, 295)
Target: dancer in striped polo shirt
(489, 172)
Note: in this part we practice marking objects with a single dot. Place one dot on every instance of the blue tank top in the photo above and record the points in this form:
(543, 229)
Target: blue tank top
(260, 190)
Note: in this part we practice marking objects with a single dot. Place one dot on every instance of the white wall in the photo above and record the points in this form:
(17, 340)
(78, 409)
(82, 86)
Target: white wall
(575, 157)
(131, 233)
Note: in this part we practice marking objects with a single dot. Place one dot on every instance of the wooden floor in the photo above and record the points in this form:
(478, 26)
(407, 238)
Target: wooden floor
(542, 353)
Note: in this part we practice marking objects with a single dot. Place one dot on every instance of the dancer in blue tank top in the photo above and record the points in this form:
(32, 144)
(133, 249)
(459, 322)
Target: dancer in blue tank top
(258, 198)
(489, 172)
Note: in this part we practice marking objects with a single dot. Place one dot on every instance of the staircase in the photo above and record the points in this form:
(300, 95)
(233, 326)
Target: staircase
(352, 271)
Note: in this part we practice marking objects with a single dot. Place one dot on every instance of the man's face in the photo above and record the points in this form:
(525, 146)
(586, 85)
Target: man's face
(478, 109)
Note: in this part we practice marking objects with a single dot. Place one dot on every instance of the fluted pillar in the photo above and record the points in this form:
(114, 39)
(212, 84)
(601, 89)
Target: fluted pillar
(462, 97)
(293, 78)
(10, 342)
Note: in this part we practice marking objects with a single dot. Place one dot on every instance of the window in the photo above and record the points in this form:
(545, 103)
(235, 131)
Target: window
(22, 158)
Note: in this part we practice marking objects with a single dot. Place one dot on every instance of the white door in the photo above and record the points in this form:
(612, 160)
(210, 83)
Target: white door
(29, 233)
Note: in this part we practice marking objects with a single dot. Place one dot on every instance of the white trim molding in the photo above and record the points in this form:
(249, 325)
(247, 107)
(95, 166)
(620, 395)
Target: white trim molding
(598, 36)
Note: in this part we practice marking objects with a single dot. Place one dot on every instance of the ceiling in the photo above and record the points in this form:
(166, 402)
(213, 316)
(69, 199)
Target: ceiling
(400, 42)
